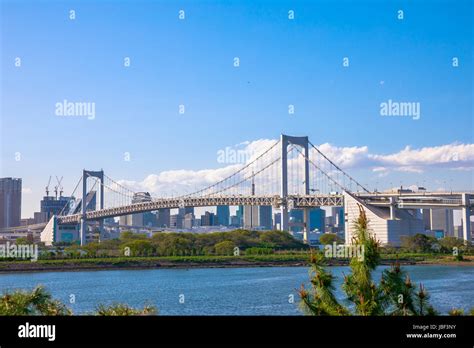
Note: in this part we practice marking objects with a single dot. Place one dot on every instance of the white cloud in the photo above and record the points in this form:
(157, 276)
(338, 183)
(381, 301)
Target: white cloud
(447, 156)
(345, 157)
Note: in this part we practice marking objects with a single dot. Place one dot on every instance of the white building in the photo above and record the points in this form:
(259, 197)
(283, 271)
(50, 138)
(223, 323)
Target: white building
(387, 224)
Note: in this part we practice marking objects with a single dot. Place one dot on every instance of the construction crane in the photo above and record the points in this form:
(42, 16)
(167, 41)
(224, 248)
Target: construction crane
(58, 186)
(47, 186)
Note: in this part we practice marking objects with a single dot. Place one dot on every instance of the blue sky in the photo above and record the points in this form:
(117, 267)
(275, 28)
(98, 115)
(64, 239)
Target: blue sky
(190, 62)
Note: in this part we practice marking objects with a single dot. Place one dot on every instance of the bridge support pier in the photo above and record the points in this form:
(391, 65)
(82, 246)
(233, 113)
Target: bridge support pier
(83, 231)
(306, 225)
(392, 208)
(101, 228)
(466, 217)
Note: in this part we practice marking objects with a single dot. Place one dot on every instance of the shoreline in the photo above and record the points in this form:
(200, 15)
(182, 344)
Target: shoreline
(103, 265)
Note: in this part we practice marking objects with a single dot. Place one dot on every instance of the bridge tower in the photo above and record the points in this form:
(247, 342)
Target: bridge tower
(83, 225)
(303, 142)
(466, 216)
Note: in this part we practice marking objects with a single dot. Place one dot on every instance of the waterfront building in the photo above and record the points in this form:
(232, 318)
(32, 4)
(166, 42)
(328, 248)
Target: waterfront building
(388, 224)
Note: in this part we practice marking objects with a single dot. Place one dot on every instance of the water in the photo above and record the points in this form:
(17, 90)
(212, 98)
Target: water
(223, 291)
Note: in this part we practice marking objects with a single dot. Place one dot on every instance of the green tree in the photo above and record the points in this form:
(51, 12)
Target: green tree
(127, 235)
(449, 243)
(419, 243)
(92, 249)
(119, 309)
(21, 241)
(35, 302)
(139, 247)
(225, 248)
(330, 238)
(395, 295)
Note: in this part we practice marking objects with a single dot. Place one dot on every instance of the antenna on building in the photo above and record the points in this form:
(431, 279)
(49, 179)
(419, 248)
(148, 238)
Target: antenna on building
(47, 187)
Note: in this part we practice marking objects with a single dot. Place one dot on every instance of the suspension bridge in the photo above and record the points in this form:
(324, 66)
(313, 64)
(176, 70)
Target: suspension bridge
(292, 173)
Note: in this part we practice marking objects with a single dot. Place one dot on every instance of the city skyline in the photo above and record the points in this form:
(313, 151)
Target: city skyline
(138, 134)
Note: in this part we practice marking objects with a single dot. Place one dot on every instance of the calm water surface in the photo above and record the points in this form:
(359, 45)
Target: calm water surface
(223, 291)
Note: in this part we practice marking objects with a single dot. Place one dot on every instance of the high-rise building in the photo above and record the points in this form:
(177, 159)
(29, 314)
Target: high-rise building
(330, 221)
(240, 214)
(276, 221)
(141, 219)
(163, 217)
(223, 215)
(10, 202)
(317, 219)
(186, 210)
(265, 217)
(234, 221)
(426, 219)
(439, 220)
(208, 219)
(51, 205)
(188, 221)
(338, 216)
(176, 221)
(257, 217)
(442, 220)
(150, 219)
(295, 220)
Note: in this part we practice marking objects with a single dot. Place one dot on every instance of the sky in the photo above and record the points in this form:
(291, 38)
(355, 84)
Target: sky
(333, 62)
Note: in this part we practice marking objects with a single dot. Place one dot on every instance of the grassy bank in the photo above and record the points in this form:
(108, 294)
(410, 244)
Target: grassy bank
(154, 262)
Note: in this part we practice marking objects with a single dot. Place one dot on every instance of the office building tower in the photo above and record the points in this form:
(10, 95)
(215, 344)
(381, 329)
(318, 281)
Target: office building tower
(208, 219)
(223, 215)
(10, 202)
(163, 217)
(317, 219)
(257, 217)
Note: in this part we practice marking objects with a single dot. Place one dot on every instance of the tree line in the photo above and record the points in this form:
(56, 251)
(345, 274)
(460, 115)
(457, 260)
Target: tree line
(237, 242)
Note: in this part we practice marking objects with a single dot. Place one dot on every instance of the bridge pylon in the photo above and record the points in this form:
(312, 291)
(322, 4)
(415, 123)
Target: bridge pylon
(83, 224)
(303, 142)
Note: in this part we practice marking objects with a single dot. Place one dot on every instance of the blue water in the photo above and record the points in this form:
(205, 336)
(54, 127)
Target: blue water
(223, 291)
